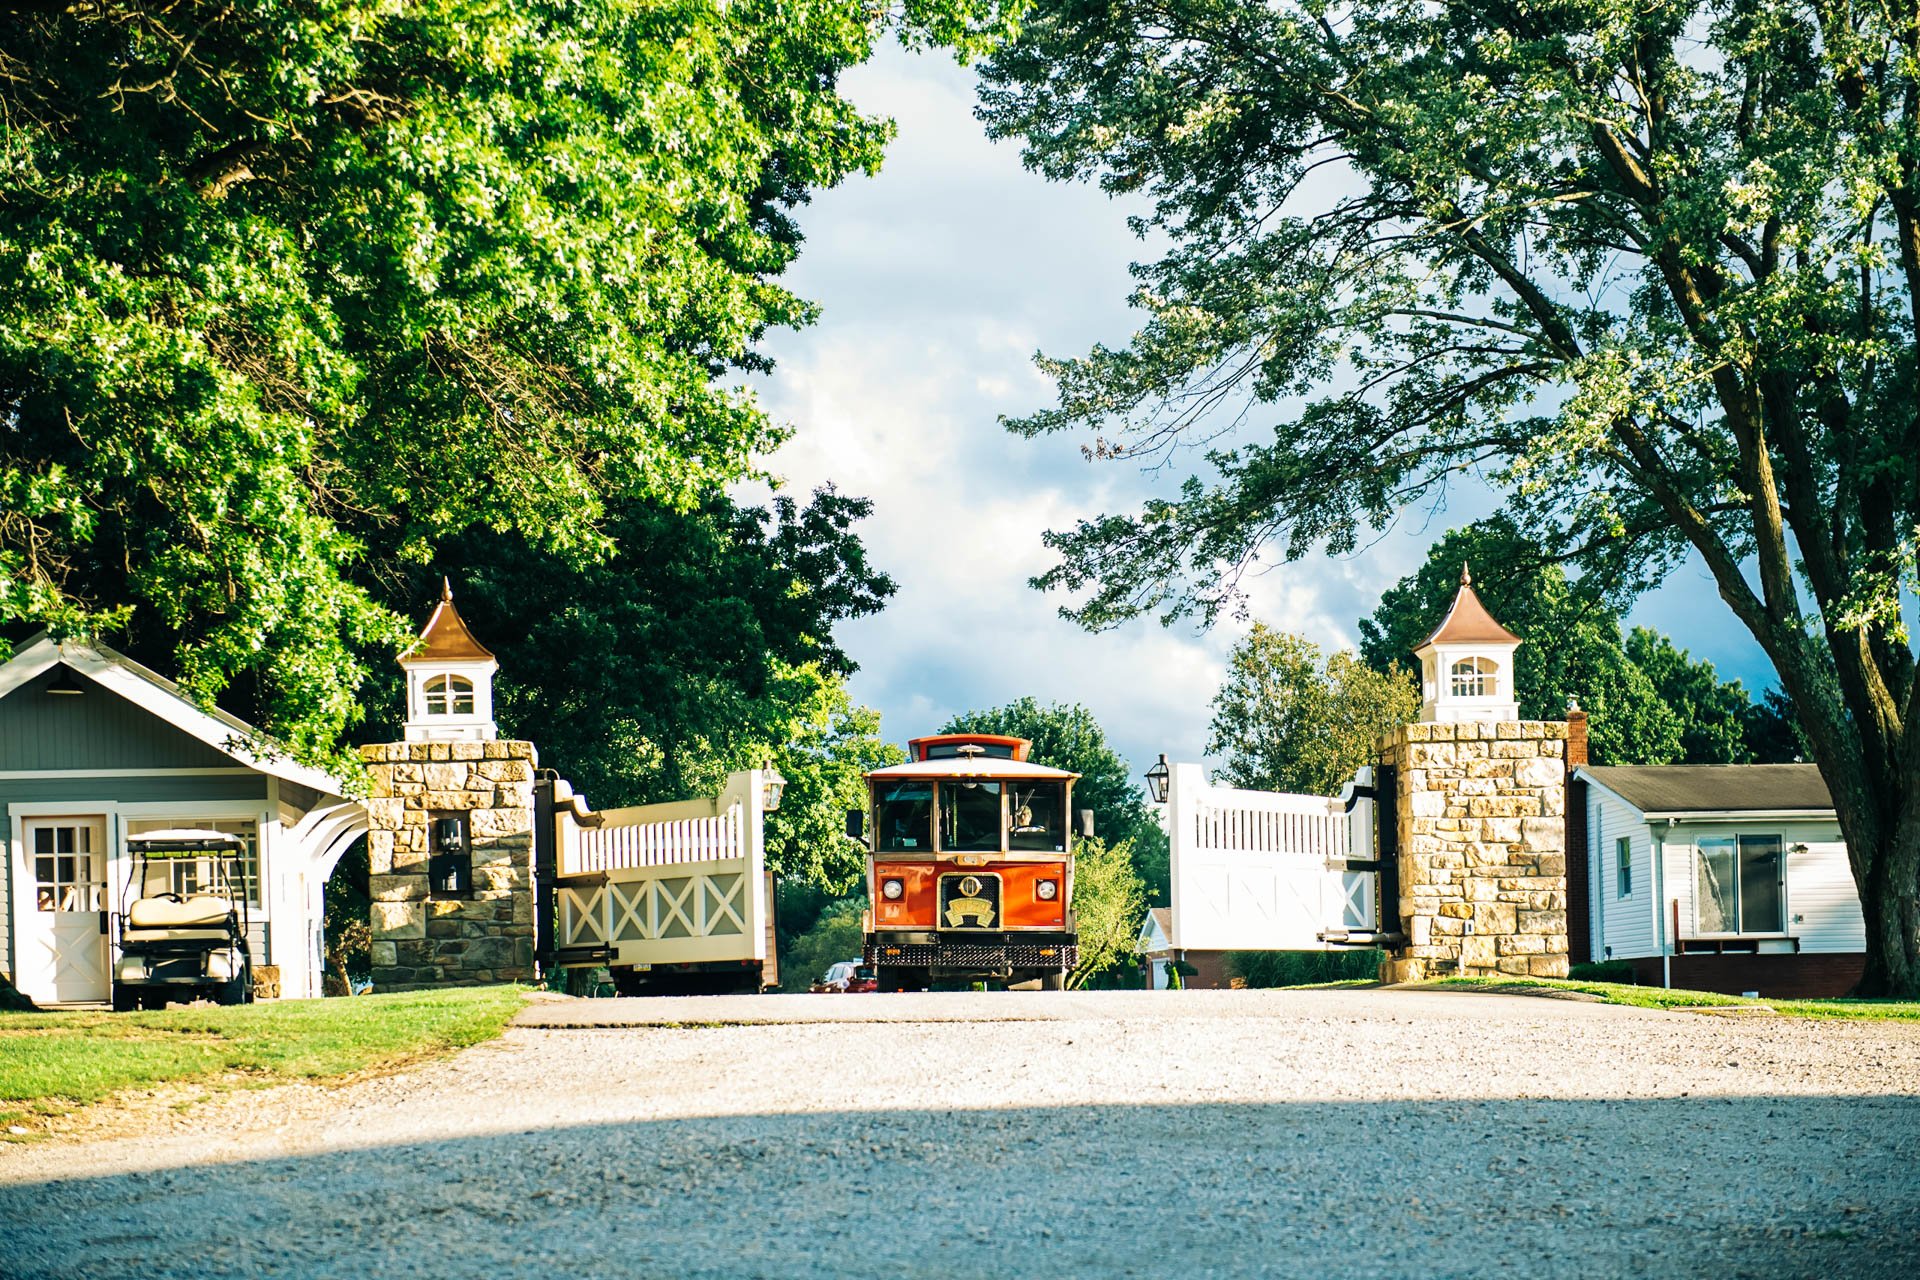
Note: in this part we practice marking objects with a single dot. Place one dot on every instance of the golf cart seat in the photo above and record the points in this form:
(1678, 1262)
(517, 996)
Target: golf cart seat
(202, 918)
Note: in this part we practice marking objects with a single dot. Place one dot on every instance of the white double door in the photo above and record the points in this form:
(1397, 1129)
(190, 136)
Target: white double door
(60, 910)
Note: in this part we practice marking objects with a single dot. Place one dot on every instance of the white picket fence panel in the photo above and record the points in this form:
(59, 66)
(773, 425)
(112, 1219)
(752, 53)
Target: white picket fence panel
(1264, 870)
(666, 883)
(659, 844)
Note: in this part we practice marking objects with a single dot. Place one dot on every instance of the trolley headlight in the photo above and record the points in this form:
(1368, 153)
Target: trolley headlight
(1046, 890)
(893, 889)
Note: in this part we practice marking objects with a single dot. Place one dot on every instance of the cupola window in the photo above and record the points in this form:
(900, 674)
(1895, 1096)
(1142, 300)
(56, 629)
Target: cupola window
(449, 696)
(1475, 678)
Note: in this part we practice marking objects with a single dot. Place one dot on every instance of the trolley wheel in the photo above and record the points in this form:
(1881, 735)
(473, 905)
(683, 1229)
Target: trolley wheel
(1055, 981)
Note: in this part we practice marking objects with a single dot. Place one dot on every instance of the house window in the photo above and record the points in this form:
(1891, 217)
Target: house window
(1740, 885)
(1474, 678)
(188, 876)
(1623, 858)
(449, 696)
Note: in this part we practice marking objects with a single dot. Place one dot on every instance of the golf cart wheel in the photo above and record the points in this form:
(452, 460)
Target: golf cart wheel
(238, 991)
(125, 999)
(1053, 981)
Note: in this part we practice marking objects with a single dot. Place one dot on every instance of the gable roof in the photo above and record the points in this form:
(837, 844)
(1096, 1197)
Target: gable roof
(154, 693)
(1674, 790)
(445, 638)
(1468, 621)
(1157, 927)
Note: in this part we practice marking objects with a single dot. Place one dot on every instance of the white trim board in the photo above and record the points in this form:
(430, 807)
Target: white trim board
(215, 771)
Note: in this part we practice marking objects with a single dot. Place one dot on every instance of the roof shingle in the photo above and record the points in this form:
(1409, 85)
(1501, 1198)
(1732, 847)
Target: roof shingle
(1729, 788)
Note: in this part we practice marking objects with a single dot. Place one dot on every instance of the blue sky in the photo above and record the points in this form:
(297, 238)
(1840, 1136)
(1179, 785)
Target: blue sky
(938, 280)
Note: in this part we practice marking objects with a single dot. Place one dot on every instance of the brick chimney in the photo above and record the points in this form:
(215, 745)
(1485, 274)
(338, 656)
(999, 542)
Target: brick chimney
(1576, 735)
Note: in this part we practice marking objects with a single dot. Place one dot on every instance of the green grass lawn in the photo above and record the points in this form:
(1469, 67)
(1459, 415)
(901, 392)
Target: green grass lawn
(51, 1063)
(1662, 998)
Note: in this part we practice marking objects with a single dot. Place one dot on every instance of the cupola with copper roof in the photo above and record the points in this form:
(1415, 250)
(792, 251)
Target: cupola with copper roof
(449, 680)
(1466, 665)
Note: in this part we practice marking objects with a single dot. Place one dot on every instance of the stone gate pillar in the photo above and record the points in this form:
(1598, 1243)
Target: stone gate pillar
(1479, 811)
(450, 851)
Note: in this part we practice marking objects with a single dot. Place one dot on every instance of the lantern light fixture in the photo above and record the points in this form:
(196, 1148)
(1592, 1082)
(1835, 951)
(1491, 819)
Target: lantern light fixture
(771, 787)
(1157, 779)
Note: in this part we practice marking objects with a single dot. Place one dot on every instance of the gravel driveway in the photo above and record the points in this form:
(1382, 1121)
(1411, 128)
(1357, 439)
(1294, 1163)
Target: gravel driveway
(1321, 1134)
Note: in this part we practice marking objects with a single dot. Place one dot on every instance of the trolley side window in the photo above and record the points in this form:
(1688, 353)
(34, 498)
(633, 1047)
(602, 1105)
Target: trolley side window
(903, 817)
(1037, 816)
(970, 817)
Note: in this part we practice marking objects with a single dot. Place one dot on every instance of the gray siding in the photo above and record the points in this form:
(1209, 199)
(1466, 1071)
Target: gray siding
(98, 730)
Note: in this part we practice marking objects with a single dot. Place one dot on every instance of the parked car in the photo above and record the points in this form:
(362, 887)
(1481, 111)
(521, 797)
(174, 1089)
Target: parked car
(846, 977)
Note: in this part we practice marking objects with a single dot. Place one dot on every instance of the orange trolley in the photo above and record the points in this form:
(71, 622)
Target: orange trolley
(970, 865)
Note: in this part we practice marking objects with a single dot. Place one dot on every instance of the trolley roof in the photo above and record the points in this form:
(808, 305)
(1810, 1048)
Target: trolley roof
(976, 767)
(1001, 746)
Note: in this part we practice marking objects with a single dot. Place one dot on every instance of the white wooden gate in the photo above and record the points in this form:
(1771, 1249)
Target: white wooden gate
(660, 884)
(1263, 870)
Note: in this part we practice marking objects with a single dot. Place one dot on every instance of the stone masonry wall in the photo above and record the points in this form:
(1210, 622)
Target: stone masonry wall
(420, 941)
(1481, 813)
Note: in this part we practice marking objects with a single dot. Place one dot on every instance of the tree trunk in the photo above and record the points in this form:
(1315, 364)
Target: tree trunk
(1890, 902)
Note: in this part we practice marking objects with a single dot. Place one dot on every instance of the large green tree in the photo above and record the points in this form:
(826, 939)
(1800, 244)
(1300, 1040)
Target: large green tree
(291, 292)
(1292, 718)
(1066, 736)
(1651, 269)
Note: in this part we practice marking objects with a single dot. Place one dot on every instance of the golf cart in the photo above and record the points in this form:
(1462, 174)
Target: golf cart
(184, 934)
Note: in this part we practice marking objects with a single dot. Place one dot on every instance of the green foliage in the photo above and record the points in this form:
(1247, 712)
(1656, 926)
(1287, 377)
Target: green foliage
(1109, 905)
(1302, 968)
(830, 747)
(1068, 737)
(834, 936)
(1646, 268)
(1605, 971)
(1772, 731)
(291, 294)
(1290, 718)
(347, 908)
(797, 904)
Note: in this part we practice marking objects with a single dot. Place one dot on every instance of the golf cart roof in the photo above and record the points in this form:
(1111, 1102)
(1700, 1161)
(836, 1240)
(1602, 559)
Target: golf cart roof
(183, 840)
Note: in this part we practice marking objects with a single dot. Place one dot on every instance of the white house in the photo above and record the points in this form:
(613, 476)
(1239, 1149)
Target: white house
(1717, 877)
(1155, 947)
(95, 748)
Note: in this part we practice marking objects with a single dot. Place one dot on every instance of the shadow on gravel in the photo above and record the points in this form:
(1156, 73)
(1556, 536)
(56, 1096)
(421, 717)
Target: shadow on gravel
(1728, 1187)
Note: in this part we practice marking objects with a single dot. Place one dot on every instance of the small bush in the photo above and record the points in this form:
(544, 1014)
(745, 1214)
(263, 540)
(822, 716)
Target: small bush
(1605, 971)
(1300, 968)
